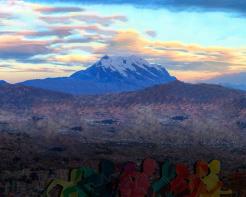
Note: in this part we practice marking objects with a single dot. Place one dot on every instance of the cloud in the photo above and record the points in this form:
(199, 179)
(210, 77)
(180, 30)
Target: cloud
(72, 59)
(56, 31)
(98, 30)
(34, 35)
(151, 33)
(24, 45)
(54, 10)
(46, 32)
(5, 15)
(15, 71)
(175, 55)
(19, 48)
(50, 19)
(191, 76)
(61, 31)
(84, 18)
(67, 30)
(176, 5)
(102, 20)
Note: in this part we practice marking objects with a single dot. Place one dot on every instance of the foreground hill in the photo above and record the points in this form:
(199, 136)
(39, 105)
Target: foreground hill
(172, 118)
(175, 106)
(22, 97)
(109, 74)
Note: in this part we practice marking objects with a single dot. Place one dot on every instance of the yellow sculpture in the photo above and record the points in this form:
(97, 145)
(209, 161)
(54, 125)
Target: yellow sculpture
(212, 181)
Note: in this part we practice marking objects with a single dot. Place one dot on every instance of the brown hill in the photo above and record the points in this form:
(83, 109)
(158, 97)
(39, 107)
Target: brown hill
(174, 104)
(22, 97)
(174, 92)
(173, 118)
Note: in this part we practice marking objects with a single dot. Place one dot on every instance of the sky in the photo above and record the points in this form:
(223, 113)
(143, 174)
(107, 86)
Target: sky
(193, 39)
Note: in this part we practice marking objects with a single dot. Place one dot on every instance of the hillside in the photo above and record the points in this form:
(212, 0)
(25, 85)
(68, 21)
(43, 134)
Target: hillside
(171, 119)
(23, 97)
(174, 92)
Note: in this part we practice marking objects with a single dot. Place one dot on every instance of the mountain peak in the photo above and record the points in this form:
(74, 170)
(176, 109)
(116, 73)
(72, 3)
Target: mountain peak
(123, 64)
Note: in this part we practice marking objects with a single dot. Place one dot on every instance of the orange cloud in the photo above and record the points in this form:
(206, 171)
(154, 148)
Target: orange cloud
(14, 71)
(175, 55)
(192, 76)
(72, 59)
(75, 32)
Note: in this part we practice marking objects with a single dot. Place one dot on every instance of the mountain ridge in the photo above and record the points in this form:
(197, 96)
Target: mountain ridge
(234, 80)
(173, 92)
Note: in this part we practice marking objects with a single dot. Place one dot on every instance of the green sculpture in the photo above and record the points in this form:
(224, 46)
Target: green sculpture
(69, 188)
(168, 173)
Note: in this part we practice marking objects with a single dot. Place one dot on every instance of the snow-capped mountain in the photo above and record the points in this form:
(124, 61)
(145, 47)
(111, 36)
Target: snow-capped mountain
(109, 74)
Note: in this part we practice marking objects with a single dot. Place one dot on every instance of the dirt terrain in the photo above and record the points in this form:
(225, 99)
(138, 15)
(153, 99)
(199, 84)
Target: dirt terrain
(43, 134)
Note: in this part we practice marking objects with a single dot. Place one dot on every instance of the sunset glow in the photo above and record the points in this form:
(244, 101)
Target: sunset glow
(57, 38)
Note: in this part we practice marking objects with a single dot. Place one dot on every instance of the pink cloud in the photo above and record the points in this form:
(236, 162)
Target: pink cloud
(13, 46)
(53, 10)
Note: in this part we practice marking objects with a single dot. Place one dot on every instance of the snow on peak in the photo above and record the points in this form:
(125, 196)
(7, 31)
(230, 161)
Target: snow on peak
(123, 64)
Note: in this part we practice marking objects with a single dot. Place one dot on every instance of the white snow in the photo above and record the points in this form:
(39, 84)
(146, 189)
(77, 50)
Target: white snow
(122, 64)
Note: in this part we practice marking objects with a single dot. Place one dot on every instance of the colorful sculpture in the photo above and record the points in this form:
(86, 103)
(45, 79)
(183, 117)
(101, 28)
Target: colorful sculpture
(126, 183)
(175, 181)
(69, 187)
(142, 179)
(179, 186)
(196, 186)
(212, 181)
(160, 186)
(137, 184)
(99, 184)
